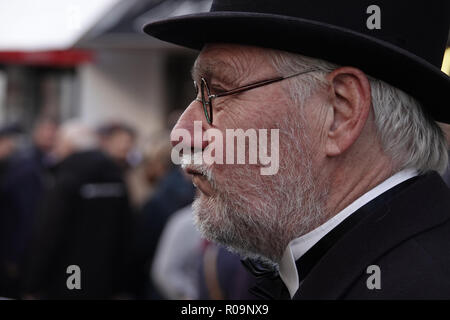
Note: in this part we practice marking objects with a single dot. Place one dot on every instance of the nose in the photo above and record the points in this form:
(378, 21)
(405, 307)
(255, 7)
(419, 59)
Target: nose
(190, 128)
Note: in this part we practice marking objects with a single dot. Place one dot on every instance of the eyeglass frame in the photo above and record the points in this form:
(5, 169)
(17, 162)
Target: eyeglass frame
(240, 89)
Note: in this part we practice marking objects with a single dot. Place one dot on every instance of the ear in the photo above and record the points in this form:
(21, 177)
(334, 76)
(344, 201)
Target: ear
(350, 99)
(446, 128)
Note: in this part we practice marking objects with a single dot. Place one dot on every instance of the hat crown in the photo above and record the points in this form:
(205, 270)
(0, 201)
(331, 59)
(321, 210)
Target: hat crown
(420, 27)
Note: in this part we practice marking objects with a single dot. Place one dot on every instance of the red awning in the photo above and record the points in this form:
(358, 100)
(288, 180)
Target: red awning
(57, 58)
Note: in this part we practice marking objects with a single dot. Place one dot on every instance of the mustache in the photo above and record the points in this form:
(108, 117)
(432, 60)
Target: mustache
(205, 170)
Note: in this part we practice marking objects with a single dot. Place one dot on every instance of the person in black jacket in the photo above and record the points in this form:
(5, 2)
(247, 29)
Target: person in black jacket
(83, 227)
(24, 180)
(350, 204)
(9, 270)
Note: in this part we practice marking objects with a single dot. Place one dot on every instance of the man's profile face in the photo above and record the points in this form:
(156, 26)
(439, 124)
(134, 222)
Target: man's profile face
(237, 206)
(226, 67)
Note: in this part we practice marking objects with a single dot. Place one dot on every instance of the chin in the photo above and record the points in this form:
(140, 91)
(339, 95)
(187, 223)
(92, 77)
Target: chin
(240, 230)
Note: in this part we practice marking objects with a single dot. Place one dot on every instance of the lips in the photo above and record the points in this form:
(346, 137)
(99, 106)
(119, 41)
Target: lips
(200, 181)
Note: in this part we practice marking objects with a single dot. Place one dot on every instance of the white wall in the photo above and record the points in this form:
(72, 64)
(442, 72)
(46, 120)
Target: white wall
(124, 85)
(2, 95)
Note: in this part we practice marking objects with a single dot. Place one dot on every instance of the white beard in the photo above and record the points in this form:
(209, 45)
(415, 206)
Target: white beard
(257, 216)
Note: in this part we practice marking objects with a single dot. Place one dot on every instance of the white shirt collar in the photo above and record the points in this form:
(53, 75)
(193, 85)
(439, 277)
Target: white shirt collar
(299, 246)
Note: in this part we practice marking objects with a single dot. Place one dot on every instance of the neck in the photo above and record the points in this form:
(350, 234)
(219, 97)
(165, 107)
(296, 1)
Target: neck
(353, 179)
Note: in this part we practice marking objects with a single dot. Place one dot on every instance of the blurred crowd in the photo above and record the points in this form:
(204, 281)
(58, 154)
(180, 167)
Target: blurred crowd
(120, 211)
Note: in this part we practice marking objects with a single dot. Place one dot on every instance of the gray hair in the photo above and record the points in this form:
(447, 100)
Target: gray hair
(410, 137)
(79, 135)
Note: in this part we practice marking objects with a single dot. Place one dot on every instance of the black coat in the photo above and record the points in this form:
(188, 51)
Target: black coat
(85, 221)
(23, 180)
(405, 232)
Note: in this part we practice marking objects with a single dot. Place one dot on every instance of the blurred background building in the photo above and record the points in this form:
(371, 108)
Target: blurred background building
(90, 60)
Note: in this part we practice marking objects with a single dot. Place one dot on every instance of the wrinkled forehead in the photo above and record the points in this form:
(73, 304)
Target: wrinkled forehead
(229, 62)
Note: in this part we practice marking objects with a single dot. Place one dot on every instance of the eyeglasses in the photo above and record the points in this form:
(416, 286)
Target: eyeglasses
(206, 97)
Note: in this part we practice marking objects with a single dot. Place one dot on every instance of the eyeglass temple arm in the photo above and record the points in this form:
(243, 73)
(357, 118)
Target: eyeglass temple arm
(258, 84)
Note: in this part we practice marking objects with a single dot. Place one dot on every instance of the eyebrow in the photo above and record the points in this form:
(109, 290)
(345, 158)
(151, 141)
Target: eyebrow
(218, 70)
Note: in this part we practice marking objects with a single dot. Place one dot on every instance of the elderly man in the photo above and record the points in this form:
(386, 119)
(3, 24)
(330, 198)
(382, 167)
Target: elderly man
(357, 209)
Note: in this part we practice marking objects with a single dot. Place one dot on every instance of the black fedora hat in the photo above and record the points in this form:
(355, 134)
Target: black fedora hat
(399, 41)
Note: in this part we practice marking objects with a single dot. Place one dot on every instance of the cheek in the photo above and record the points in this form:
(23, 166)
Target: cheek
(233, 114)
(249, 114)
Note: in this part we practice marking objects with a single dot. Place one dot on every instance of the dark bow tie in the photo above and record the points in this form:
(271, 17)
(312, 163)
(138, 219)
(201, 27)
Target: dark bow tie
(269, 285)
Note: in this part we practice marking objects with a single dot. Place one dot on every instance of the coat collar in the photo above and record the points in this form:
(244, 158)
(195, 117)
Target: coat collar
(300, 246)
(416, 207)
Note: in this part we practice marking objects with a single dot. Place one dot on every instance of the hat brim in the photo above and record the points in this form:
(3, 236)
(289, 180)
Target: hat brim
(377, 58)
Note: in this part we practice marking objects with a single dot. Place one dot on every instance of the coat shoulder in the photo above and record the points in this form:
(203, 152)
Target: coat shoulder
(418, 268)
